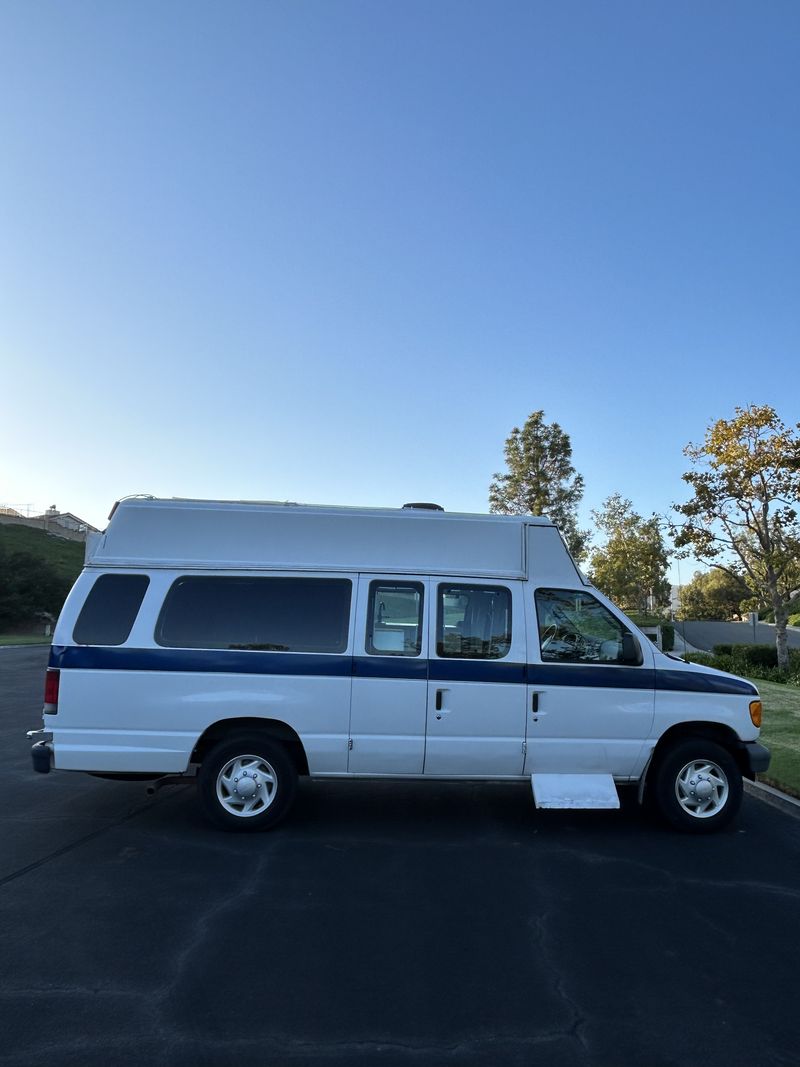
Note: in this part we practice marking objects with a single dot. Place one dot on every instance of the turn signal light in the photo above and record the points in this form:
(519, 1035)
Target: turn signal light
(51, 681)
(755, 712)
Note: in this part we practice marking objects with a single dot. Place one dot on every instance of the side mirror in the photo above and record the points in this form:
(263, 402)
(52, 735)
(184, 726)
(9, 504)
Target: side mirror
(631, 652)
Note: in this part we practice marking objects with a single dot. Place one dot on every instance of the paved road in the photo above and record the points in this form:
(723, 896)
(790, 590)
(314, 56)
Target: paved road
(384, 923)
(705, 635)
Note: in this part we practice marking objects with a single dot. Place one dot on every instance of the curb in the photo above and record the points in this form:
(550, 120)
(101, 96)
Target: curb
(28, 644)
(774, 797)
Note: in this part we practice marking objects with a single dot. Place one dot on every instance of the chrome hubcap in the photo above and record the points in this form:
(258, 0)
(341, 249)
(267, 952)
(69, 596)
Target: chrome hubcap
(246, 786)
(702, 789)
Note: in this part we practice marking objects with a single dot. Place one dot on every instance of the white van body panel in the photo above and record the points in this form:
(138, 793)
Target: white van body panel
(577, 729)
(158, 716)
(202, 534)
(675, 706)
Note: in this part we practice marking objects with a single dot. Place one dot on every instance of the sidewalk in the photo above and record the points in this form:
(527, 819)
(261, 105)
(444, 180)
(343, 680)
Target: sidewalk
(680, 646)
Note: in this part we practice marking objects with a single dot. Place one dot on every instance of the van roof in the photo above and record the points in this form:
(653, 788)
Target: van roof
(266, 535)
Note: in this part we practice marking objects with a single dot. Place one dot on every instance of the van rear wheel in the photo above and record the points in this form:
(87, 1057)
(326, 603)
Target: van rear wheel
(698, 786)
(247, 782)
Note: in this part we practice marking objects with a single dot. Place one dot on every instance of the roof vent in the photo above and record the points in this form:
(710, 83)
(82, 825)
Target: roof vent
(424, 507)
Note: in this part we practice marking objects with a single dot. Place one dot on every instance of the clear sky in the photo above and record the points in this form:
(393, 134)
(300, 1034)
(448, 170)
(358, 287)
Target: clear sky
(333, 251)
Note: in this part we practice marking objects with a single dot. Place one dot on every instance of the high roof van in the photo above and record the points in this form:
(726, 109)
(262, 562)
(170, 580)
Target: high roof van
(246, 644)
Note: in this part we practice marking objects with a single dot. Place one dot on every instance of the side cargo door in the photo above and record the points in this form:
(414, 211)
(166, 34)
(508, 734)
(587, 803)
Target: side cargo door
(390, 676)
(476, 688)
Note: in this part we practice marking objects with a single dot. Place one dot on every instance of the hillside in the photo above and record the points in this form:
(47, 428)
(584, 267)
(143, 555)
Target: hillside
(65, 557)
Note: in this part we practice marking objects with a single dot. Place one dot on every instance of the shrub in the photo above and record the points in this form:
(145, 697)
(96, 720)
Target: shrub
(773, 674)
(749, 657)
(703, 658)
(709, 659)
(752, 661)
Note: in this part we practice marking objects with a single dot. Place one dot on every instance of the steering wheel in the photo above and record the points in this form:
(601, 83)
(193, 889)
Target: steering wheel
(548, 635)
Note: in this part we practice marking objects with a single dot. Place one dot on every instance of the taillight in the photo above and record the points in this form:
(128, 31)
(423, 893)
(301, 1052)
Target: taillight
(51, 680)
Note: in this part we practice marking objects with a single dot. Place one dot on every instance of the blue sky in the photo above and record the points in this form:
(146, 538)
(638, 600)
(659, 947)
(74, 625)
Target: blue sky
(334, 251)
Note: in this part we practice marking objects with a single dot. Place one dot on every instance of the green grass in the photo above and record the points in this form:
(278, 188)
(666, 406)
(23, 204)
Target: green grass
(24, 639)
(66, 557)
(781, 734)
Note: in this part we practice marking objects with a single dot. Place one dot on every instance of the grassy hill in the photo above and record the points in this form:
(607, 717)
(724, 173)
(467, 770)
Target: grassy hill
(36, 573)
(65, 557)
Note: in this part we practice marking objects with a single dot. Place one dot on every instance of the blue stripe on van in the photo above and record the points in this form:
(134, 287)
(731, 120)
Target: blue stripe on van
(702, 682)
(390, 667)
(476, 670)
(593, 675)
(218, 661)
(232, 661)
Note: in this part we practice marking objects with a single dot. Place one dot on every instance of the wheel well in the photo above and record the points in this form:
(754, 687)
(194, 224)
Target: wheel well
(713, 731)
(281, 731)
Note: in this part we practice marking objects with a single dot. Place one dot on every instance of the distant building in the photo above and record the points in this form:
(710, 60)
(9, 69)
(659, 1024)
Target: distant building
(65, 519)
(54, 522)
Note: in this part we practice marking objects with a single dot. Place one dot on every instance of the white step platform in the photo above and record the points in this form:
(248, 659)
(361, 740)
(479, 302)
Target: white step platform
(574, 791)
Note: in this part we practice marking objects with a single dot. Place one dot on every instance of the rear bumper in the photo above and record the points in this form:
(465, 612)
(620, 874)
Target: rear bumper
(42, 756)
(756, 758)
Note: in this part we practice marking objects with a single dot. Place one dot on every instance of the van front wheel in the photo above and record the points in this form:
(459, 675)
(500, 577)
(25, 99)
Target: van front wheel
(247, 782)
(698, 786)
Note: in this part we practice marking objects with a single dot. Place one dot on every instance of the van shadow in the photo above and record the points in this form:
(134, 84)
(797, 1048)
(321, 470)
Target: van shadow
(446, 810)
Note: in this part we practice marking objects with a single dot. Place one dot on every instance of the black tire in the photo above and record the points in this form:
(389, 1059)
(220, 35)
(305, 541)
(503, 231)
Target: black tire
(266, 775)
(697, 786)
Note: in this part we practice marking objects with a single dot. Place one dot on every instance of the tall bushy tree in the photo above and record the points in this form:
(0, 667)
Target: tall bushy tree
(745, 481)
(714, 594)
(541, 479)
(631, 567)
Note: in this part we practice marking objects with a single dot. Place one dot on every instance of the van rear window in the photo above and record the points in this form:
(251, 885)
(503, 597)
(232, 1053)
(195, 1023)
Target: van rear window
(257, 614)
(110, 609)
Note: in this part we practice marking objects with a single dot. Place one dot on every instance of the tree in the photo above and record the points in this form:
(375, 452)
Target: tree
(714, 594)
(746, 484)
(541, 480)
(631, 567)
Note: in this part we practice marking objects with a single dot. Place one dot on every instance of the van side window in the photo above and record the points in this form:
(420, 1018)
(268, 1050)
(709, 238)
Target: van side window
(110, 609)
(256, 614)
(394, 620)
(576, 628)
(473, 622)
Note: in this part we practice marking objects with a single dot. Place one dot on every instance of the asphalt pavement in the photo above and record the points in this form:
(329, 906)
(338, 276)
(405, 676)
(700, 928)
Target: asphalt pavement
(390, 923)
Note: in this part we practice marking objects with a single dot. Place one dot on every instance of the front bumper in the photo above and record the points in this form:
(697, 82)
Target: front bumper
(755, 758)
(42, 751)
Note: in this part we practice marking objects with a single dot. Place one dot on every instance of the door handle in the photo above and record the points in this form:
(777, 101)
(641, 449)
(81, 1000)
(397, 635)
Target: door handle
(535, 706)
(438, 703)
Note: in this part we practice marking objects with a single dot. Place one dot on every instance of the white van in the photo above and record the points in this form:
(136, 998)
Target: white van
(249, 643)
